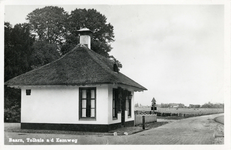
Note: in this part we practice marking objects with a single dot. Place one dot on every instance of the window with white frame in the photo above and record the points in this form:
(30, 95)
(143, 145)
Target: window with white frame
(87, 102)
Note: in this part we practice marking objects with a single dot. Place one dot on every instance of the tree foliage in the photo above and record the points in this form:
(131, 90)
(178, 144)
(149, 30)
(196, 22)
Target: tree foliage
(211, 105)
(206, 105)
(54, 25)
(103, 33)
(49, 24)
(18, 42)
(43, 53)
(194, 106)
(12, 104)
(171, 105)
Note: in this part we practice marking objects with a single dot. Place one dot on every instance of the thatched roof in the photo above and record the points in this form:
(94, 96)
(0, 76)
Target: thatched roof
(81, 66)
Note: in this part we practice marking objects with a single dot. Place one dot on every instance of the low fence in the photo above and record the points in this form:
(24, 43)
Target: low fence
(149, 117)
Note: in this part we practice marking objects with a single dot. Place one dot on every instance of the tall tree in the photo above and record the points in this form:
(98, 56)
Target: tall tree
(18, 42)
(103, 33)
(49, 24)
(43, 53)
(54, 25)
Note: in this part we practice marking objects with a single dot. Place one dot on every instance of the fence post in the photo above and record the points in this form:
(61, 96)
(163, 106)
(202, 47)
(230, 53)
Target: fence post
(143, 121)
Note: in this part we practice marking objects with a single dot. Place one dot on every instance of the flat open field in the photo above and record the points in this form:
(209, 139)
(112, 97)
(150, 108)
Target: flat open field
(190, 111)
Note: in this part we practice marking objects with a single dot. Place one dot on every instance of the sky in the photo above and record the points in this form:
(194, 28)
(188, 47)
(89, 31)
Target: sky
(175, 51)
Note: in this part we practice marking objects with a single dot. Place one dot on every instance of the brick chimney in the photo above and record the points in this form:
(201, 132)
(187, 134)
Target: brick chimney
(85, 37)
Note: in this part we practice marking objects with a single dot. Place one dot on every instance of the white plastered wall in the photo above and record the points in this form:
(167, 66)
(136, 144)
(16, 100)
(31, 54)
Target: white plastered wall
(61, 105)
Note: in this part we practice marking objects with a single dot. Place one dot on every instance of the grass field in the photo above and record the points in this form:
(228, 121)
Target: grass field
(182, 111)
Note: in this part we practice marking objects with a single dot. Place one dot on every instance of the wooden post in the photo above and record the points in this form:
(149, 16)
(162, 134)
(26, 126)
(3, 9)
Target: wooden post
(143, 121)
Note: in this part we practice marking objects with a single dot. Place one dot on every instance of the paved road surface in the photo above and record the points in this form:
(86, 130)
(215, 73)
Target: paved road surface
(196, 130)
(220, 119)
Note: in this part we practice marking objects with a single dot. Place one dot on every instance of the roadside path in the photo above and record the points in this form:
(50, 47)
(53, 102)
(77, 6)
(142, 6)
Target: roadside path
(195, 130)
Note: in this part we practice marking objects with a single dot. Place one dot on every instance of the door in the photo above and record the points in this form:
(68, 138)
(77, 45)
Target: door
(122, 100)
(123, 112)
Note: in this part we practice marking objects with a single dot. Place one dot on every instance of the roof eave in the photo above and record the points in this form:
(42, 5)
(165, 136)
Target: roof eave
(138, 89)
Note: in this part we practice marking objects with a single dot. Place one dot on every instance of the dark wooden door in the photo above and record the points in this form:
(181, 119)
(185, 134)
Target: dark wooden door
(122, 100)
(123, 112)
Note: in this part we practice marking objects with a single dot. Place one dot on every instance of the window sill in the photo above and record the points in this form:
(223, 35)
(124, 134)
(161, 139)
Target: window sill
(87, 119)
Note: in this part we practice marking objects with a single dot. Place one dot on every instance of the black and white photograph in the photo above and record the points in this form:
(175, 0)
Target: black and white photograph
(132, 73)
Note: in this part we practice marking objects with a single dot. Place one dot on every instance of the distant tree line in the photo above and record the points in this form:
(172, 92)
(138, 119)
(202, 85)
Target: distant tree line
(211, 105)
(171, 105)
(50, 33)
(180, 105)
(194, 106)
(206, 105)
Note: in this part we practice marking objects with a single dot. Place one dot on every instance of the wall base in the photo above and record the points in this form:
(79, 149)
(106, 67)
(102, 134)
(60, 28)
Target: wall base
(75, 127)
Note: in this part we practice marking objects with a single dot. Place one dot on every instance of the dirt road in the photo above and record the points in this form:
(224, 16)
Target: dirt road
(196, 130)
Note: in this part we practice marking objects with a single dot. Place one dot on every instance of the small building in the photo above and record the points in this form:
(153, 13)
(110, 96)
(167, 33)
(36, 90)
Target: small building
(81, 91)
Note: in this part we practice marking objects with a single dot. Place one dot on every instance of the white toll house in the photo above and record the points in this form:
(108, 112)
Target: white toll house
(81, 91)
